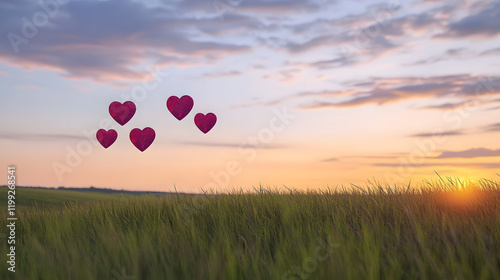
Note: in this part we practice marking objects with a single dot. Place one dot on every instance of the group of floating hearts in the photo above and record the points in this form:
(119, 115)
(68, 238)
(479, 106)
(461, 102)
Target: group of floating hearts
(142, 139)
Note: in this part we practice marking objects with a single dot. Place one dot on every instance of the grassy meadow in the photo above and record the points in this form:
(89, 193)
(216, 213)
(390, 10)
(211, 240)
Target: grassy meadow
(439, 230)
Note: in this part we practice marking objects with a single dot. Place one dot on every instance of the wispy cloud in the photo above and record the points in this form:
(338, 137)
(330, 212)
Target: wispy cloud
(392, 156)
(106, 40)
(232, 145)
(455, 53)
(483, 23)
(286, 75)
(333, 159)
(492, 127)
(445, 106)
(222, 74)
(390, 90)
(430, 134)
(478, 165)
(471, 153)
(495, 51)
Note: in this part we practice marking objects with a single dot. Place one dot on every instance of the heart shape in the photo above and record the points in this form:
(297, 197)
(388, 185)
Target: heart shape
(180, 107)
(205, 122)
(142, 139)
(106, 138)
(122, 113)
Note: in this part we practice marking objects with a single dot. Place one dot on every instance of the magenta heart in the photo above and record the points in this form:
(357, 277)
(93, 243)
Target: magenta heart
(205, 122)
(122, 113)
(142, 139)
(180, 107)
(106, 138)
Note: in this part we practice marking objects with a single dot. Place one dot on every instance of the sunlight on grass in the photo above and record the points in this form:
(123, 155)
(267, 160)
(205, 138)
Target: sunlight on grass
(462, 197)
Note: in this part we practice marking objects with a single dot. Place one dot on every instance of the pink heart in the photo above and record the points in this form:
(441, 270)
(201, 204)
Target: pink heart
(180, 107)
(106, 138)
(142, 139)
(122, 113)
(205, 122)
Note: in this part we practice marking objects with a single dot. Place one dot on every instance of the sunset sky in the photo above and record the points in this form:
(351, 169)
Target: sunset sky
(308, 94)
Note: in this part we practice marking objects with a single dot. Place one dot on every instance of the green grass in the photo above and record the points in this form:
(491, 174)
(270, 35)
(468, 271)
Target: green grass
(435, 232)
(27, 198)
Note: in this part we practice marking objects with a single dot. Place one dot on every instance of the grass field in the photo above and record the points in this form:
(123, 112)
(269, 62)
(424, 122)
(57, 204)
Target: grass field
(442, 231)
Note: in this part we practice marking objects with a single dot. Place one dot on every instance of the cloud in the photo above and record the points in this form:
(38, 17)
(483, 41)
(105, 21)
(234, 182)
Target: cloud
(375, 97)
(232, 145)
(280, 7)
(455, 53)
(332, 63)
(110, 40)
(493, 108)
(222, 74)
(493, 127)
(326, 93)
(351, 49)
(447, 133)
(311, 44)
(29, 87)
(479, 165)
(471, 153)
(445, 106)
(390, 90)
(495, 51)
(484, 23)
(355, 37)
(106, 40)
(393, 156)
(461, 104)
(287, 75)
(334, 159)
(382, 29)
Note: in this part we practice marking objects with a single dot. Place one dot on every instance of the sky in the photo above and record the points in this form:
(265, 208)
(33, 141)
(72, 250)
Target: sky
(308, 94)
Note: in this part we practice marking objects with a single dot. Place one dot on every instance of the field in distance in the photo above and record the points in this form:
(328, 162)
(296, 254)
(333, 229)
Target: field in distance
(446, 230)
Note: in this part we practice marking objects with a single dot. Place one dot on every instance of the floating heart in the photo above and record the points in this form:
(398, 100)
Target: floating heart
(142, 139)
(122, 113)
(106, 138)
(205, 122)
(180, 107)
